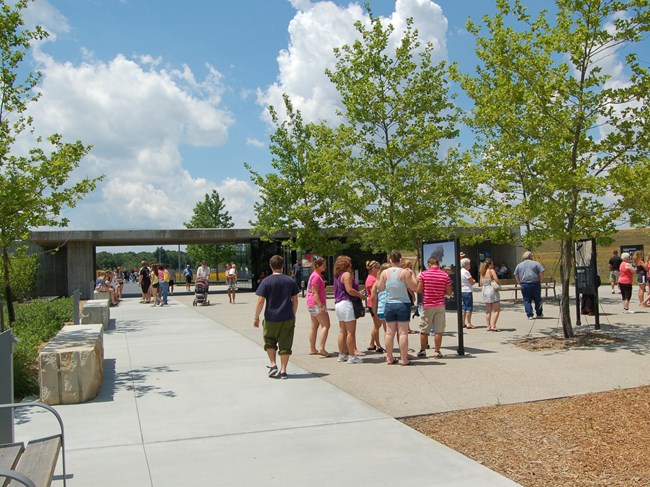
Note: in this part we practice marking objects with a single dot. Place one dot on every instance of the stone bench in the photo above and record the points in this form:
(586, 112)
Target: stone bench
(96, 311)
(103, 295)
(71, 365)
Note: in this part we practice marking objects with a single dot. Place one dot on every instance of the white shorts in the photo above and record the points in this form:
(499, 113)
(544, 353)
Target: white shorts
(344, 311)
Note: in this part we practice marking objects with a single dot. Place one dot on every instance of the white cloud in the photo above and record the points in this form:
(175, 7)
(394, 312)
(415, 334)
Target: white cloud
(239, 197)
(48, 17)
(255, 143)
(319, 27)
(135, 116)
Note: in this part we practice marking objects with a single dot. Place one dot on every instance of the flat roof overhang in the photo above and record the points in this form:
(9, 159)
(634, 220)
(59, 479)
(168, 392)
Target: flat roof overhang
(108, 238)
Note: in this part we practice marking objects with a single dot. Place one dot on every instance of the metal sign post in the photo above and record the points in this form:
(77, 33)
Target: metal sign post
(6, 386)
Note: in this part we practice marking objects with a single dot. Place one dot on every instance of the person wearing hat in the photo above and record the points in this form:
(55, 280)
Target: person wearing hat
(187, 272)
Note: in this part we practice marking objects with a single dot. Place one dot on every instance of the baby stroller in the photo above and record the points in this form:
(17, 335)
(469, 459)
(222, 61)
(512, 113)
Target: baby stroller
(201, 292)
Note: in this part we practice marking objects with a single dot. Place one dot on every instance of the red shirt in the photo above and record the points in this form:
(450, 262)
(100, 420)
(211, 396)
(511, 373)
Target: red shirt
(370, 281)
(626, 274)
(435, 282)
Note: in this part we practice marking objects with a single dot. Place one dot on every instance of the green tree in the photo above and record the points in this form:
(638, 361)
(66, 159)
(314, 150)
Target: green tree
(402, 184)
(562, 143)
(300, 196)
(210, 213)
(34, 186)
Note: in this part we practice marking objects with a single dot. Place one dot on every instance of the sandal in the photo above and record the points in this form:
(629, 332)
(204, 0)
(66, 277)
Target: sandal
(408, 363)
(380, 350)
(324, 353)
(395, 361)
(371, 349)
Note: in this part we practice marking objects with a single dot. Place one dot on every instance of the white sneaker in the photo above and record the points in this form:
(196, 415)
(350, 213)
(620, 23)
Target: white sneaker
(355, 359)
(343, 357)
(628, 311)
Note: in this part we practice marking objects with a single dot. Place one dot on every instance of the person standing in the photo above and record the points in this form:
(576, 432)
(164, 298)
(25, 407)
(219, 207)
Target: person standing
(373, 269)
(466, 283)
(280, 295)
(317, 307)
(626, 271)
(155, 285)
(614, 266)
(641, 275)
(164, 284)
(187, 272)
(232, 282)
(491, 296)
(296, 273)
(203, 272)
(144, 279)
(399, 283)
(346, 289)
(433, 284)
(529, 274)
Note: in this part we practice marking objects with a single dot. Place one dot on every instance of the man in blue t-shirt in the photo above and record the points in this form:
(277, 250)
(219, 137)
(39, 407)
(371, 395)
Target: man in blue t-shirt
(280, 293)
(529, 274)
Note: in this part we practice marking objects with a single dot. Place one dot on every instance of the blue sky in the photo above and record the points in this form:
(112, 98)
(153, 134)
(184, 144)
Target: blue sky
(172, 95)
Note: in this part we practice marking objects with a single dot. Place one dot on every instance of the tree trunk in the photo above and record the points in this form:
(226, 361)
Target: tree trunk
(566, 259)
(10, 302)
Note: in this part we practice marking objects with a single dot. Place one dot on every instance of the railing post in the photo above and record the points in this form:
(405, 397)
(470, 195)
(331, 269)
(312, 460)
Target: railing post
(6, 385)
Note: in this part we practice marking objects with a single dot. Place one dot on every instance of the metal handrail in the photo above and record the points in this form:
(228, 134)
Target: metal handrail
(58, 418)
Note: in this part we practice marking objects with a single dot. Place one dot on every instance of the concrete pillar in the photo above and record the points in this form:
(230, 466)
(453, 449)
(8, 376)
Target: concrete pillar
(81, 268)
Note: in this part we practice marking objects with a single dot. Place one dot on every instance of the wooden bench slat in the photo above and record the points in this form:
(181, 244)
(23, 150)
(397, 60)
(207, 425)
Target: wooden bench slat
(9, 454)
(38, 461)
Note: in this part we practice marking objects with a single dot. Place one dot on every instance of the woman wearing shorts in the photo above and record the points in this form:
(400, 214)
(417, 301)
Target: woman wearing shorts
(491, 296)
(317, 307)
(397, 282)
(373, 269)
(626, 271)
(466, 283)
(346, 288)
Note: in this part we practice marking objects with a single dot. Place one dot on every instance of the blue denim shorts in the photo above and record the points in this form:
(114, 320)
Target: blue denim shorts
(400, 312)
(468, 302)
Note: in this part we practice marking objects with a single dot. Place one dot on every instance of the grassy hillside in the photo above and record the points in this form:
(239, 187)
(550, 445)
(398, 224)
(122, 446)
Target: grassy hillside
(548, 253)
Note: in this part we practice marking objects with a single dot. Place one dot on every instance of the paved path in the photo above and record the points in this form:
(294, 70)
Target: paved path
(186, 402)
(492, 372)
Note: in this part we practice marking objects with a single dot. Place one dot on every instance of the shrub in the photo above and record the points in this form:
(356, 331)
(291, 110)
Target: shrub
(36, 323)
(22, 274)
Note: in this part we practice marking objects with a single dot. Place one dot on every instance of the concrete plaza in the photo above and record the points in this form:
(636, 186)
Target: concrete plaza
(186, 400)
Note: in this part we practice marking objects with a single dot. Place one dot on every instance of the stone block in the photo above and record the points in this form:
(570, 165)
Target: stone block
(71, 365)
(105, 295)
(96, 311)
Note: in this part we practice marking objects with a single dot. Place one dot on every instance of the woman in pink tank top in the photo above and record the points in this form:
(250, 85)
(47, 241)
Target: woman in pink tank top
(317, 307)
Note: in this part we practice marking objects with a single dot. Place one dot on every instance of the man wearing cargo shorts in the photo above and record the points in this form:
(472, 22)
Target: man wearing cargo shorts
(433, 285)
(280, 293)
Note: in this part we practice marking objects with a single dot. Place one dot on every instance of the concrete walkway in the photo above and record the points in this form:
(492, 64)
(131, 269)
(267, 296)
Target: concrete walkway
(186, 402)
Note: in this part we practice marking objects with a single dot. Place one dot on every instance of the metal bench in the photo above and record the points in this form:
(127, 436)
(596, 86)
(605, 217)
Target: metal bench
(32, 464)
(511, 285)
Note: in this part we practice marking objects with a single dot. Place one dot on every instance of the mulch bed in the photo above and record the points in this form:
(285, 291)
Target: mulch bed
(583, 340)
(594, 439)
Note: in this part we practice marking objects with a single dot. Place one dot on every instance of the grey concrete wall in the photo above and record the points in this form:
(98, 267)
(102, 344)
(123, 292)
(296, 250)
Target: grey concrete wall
(52, 275)
(81, 268)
